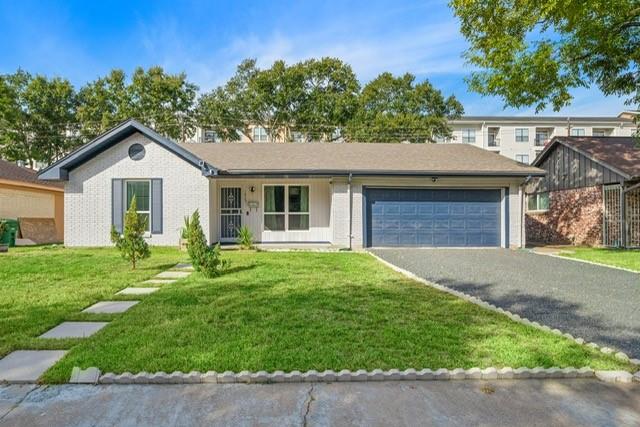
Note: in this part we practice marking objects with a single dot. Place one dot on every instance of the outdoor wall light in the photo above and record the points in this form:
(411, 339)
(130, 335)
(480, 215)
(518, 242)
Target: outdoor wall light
(434, 178)
(252, 189)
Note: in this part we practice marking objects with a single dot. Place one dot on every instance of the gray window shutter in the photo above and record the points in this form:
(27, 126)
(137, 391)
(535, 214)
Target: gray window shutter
(117, 204)
(156, 206)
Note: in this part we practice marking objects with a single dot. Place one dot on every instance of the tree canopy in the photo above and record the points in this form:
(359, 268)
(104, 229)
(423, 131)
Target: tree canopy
(532, 53)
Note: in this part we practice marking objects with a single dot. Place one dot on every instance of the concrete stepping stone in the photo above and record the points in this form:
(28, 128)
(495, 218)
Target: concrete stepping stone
(183, 266)
(110, 307)
(173, 274)
(137, 291)
(74, 330)
(160, 281)
(26, 366)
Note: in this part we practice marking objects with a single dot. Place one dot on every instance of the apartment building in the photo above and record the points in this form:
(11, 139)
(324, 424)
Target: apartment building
(520, 138)
(523, 138)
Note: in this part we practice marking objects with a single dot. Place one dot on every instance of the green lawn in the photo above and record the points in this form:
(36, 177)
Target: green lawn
(616, 257)
(43, 286)
(272, 311)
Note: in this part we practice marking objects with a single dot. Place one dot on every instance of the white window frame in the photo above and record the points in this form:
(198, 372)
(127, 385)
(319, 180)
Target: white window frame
(468, 136)
(577, 132)
(522, 156)
(259, 136)
(522, 134)
(147, 233)
(537, 197)
(601, 131)
(214, 139)
(286, 212)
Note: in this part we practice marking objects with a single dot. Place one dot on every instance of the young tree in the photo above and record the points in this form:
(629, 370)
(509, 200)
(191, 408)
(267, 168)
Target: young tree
(396, 109)
(196, 242)
(534, 52)
(131, 243)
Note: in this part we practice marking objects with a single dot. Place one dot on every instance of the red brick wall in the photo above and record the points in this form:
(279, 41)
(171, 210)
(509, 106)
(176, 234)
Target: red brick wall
(574, 218)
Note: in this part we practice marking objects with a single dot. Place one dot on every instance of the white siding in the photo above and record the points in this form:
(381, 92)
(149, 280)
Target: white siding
(319, 209)
(88, 193)
(341, 202)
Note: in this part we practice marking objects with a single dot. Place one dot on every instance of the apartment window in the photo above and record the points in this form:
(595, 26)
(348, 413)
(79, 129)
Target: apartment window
(298, 137)
(601, 132)
(286, 207)
(538, 202)
(469, 136)
(210, 136)
(577, 132)
(260, 134)
(493, 139)
(141, 190)
(542, 136)
(522, 135)
(522, 158)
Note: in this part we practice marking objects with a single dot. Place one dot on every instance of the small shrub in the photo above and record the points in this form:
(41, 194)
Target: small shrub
(245, 237)
(197, 242)
(131, 244)
(212, 263)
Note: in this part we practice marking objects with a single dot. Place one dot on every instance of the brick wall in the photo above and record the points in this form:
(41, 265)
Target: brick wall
(574, 218)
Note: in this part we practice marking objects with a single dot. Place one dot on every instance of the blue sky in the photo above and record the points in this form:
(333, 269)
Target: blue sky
(82, 40)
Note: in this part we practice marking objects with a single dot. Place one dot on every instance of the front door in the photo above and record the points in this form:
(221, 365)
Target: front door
(230, 212)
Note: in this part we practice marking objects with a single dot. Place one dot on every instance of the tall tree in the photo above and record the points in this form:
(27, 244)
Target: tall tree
(37, 117)
(532, 52)
(313, 97)
(163, 101)
(396, 109)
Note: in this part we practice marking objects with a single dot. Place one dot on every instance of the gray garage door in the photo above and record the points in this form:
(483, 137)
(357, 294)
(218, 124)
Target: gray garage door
(432, 218)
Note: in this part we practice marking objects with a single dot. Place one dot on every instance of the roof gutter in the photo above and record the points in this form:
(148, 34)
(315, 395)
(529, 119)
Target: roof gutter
(374, 173)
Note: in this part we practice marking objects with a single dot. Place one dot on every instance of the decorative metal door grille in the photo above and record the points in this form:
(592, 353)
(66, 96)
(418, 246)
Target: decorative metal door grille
(612, 216)
(230, 212)
(632, 213)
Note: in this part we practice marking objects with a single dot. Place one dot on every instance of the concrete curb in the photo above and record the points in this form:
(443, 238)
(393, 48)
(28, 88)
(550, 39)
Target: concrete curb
(515, 317)
(361, 375)
(584, 261)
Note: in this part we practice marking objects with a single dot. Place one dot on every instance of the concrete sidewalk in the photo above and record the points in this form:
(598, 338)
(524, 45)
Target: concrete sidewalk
(495, 403)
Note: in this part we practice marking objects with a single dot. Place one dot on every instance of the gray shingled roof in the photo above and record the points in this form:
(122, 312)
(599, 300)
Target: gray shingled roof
(12, 172)
(452, 159)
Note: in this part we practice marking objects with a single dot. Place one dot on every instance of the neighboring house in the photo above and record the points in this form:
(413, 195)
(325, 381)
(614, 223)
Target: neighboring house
(22, 195)
(519, 138)
(590, 195)
(347, 195)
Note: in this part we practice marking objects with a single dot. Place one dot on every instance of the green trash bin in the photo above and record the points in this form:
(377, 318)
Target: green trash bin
(10, 232)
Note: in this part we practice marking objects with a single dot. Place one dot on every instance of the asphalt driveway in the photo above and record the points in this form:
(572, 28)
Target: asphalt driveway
(596, 303)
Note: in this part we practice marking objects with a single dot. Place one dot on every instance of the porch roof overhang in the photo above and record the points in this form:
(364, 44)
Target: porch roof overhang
(223, 174)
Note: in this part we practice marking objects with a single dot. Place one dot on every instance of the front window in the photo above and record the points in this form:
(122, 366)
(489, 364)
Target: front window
(141, 191)
(469, 136)
(260, 134)
(538, 202)
(577, 132)
(286, 207)
(522, 158)
(601, 132)
(522, 135)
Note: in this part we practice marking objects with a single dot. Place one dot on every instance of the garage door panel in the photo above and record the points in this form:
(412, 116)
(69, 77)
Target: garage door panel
(433, 217)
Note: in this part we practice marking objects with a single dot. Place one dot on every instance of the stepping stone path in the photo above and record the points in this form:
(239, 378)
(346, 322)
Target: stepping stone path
(173, 274)
(110, 307)
(160, 281)
(74, 330)
(137, 291)
(26, 366)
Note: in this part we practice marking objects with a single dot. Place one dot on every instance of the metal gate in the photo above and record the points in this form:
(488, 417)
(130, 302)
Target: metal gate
(230, 212)
(632, 217)
(612, 216)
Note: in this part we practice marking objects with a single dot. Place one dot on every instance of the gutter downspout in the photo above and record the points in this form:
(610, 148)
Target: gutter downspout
(350, 212)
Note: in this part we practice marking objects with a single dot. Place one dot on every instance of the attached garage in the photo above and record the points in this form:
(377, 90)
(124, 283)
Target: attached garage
(433, 217)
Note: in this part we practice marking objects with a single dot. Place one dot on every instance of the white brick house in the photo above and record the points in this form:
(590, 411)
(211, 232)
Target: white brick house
(347, 195)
